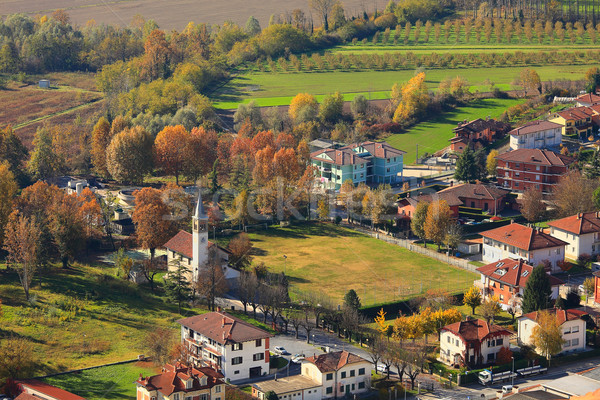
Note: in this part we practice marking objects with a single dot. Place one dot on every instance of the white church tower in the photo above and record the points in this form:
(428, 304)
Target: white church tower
(199, 238)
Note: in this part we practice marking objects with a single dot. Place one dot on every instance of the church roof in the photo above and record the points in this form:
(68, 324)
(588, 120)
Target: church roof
(183, 244)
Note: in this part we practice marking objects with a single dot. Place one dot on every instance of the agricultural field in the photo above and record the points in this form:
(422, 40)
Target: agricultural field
(433, 135)
(331, 259)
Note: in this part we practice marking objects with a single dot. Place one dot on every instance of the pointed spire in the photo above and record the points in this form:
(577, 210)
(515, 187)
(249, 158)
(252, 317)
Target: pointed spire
(199, 213)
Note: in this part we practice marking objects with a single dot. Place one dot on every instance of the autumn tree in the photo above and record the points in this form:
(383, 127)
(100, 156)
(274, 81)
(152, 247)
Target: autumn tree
(170, 148)
(439, 217)
(151, 217)
(22, 244)
(331, 108)
(547, 336)
(19, 359)
(323, 209)
(157, 56)
(592, 77)
(530, 80)
(160, 342)
(8, 191)
(66, 226)
(129, 155)
(533, 207)
(240, 248)
(414, 99)
(538, 291)
(419, 218)
(472, 298)
(490, 308)
(15, 153)
(45, 162)
(323, 8)
(101, 137)
(492, 163)
(303, 107)
(239, 213)
(211, 281)
(574, 194)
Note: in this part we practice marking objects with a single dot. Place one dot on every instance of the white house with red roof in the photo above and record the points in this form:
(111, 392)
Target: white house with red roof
(506, 279)
(33, 389)
(587, 100)
(234, 347)
(571, 322)
(581, 231)
(518, 241)
(181, 382)
(472, 342)
(536, 135)
(194, 249)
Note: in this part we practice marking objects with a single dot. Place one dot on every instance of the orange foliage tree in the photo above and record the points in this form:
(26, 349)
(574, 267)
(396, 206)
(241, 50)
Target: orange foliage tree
(170, 150)
(151, 217)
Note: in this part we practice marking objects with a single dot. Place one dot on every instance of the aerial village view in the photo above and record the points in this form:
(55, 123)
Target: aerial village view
(299, 199)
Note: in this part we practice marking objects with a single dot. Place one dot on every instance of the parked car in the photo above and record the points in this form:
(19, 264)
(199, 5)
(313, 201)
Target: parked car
(297, 358)
(281, 351)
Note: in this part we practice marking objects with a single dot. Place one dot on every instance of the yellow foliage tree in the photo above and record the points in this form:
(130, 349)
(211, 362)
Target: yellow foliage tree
(439, 218)
(414, 98)
(382, 327)
(300, 102)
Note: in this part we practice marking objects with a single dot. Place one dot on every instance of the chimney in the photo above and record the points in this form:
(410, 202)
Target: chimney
(578, 215)
(218, 308)
(223, 322)
(451, 183)
(223, 335)
(520, 262)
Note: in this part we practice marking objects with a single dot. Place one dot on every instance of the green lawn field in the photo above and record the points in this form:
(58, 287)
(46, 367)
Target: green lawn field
(326, 258)
(105, 383)
(434, 134)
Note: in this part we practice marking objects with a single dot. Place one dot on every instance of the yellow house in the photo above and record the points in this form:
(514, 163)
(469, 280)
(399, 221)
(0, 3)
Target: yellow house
(180, 382)
(577, 120)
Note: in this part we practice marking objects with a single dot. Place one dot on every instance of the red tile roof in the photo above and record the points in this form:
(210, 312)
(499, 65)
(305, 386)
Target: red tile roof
(476, 330)
(27, 396)
(514, 273)
(377, 149)
(479, 125)
(173, 379)
(347, 156)
(450, 198)
(537, 157)
(561, 315)
(588, 98)
(576, 113)
(578, 224)
(523, 237)
(183, 244)
(223, 328)
(338, 156)
(476, 191)
(52, 392)
(334, 361)
(534, 126)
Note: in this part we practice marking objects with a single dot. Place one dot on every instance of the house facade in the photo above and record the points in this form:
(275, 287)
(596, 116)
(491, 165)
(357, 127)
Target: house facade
(295, 387)
(477, 134)
(472, 342)
(581, 231)
(408, 205)
(366, 162)
(577, 120)
(477, 195)
(231, 346)
(587, 100)
(339, 373)
(517, 241)
(182, 382)
(506, 279)
(536, 135)
(523, 169)
(570, 321)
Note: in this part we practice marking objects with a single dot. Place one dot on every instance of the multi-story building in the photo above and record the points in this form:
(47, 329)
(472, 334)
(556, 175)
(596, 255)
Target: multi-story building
(506, 279)
(581, 231)
(570, 321)
(517, 241)
(587, 100)
(577, 120)
(472, 342)
(32, 389)
(366, 162)
(536, 135)
(181, 382)
(477, 134)
(522, 169)
(234, 347)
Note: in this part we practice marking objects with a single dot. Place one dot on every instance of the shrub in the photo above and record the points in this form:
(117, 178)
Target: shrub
(584, 260)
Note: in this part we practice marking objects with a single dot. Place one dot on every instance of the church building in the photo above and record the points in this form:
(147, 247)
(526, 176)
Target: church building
(195, 249)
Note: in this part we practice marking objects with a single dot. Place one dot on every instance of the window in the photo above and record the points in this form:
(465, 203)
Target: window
(329, 377)
(342, 389)
(236, 346)
(449, 340)
(353, 387)
(258, 356)
(575, 342)
(352, 373)
(175, 396)
(501, 297)
(258, 342)
(329, 390)
(502, 284)
(343, 374)
(361, 385)
(236, 360)
(537, 167)
(537, 177)
(218, 389)
(236, 372)
(387, 161)
(203, 397)
(567, 343)
(361, 371)
(362, 175)
(575, 329)
(499, 342)
(189, 383)
(388, 170)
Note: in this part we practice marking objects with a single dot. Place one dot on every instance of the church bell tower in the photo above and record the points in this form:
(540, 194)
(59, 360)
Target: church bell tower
(199, 238)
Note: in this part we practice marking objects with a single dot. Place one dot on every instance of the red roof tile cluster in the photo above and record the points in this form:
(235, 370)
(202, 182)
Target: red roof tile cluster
(347, 156)
(48, 391)
(514, 273)
(450, 198)
(562, 316)
(27, 396)
(534, 126)
(576, 113)
(377, 149)
(476, 330)
(334, 361)
(183, 244)
(523, 237)
(476, 191)
(537, 157)
(174, 377)
(589, 98)
(223, 328)
(338, 156)
(578, 224)
(479, 124)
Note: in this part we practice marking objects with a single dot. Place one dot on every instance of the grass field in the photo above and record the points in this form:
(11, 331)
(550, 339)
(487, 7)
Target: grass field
(280, 88)
(330, 259)
(434, 134)
(105, 383)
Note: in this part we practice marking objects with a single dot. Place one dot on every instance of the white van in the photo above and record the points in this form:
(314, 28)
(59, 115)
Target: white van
(507, 389)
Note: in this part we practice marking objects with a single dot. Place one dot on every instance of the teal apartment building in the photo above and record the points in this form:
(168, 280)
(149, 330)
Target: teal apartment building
(366, 162)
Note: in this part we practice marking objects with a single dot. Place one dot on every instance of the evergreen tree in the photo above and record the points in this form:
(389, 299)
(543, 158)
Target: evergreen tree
(214, 178)
(466, 166)
(44, 162)
(592, 170)
(481, 163)
(177, 286)
(573, 300)
(537, 291)
(252, 26)
(352, 300)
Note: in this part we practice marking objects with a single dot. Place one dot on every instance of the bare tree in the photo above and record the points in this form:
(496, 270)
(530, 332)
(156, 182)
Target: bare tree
(247, 289)
(399, 358)
(376, 350)
(211, 281)
(533, 207)
(323, 7)
(296, 318)
(415, 356)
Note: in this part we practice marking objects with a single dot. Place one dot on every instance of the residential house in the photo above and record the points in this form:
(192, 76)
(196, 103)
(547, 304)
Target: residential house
(32, 389)
(506, 279)
(577, 120)
(477, 133)
(571, 322)
(519, 170)
(294, 387)
(581, 231)
(477, 195)
(181, 382)
(322, 144)
(233, 347)
(408, 205)
(536, 135)
(472, 342)
(518, 241)
(587, 100)
(366, 162)
(194, 250)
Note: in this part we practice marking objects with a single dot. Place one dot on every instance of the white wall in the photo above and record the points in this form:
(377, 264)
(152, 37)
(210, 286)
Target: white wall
(450, 344)
(525, 331)
(578, 244)
(311, 371)
(547, 138)
(496, 252)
